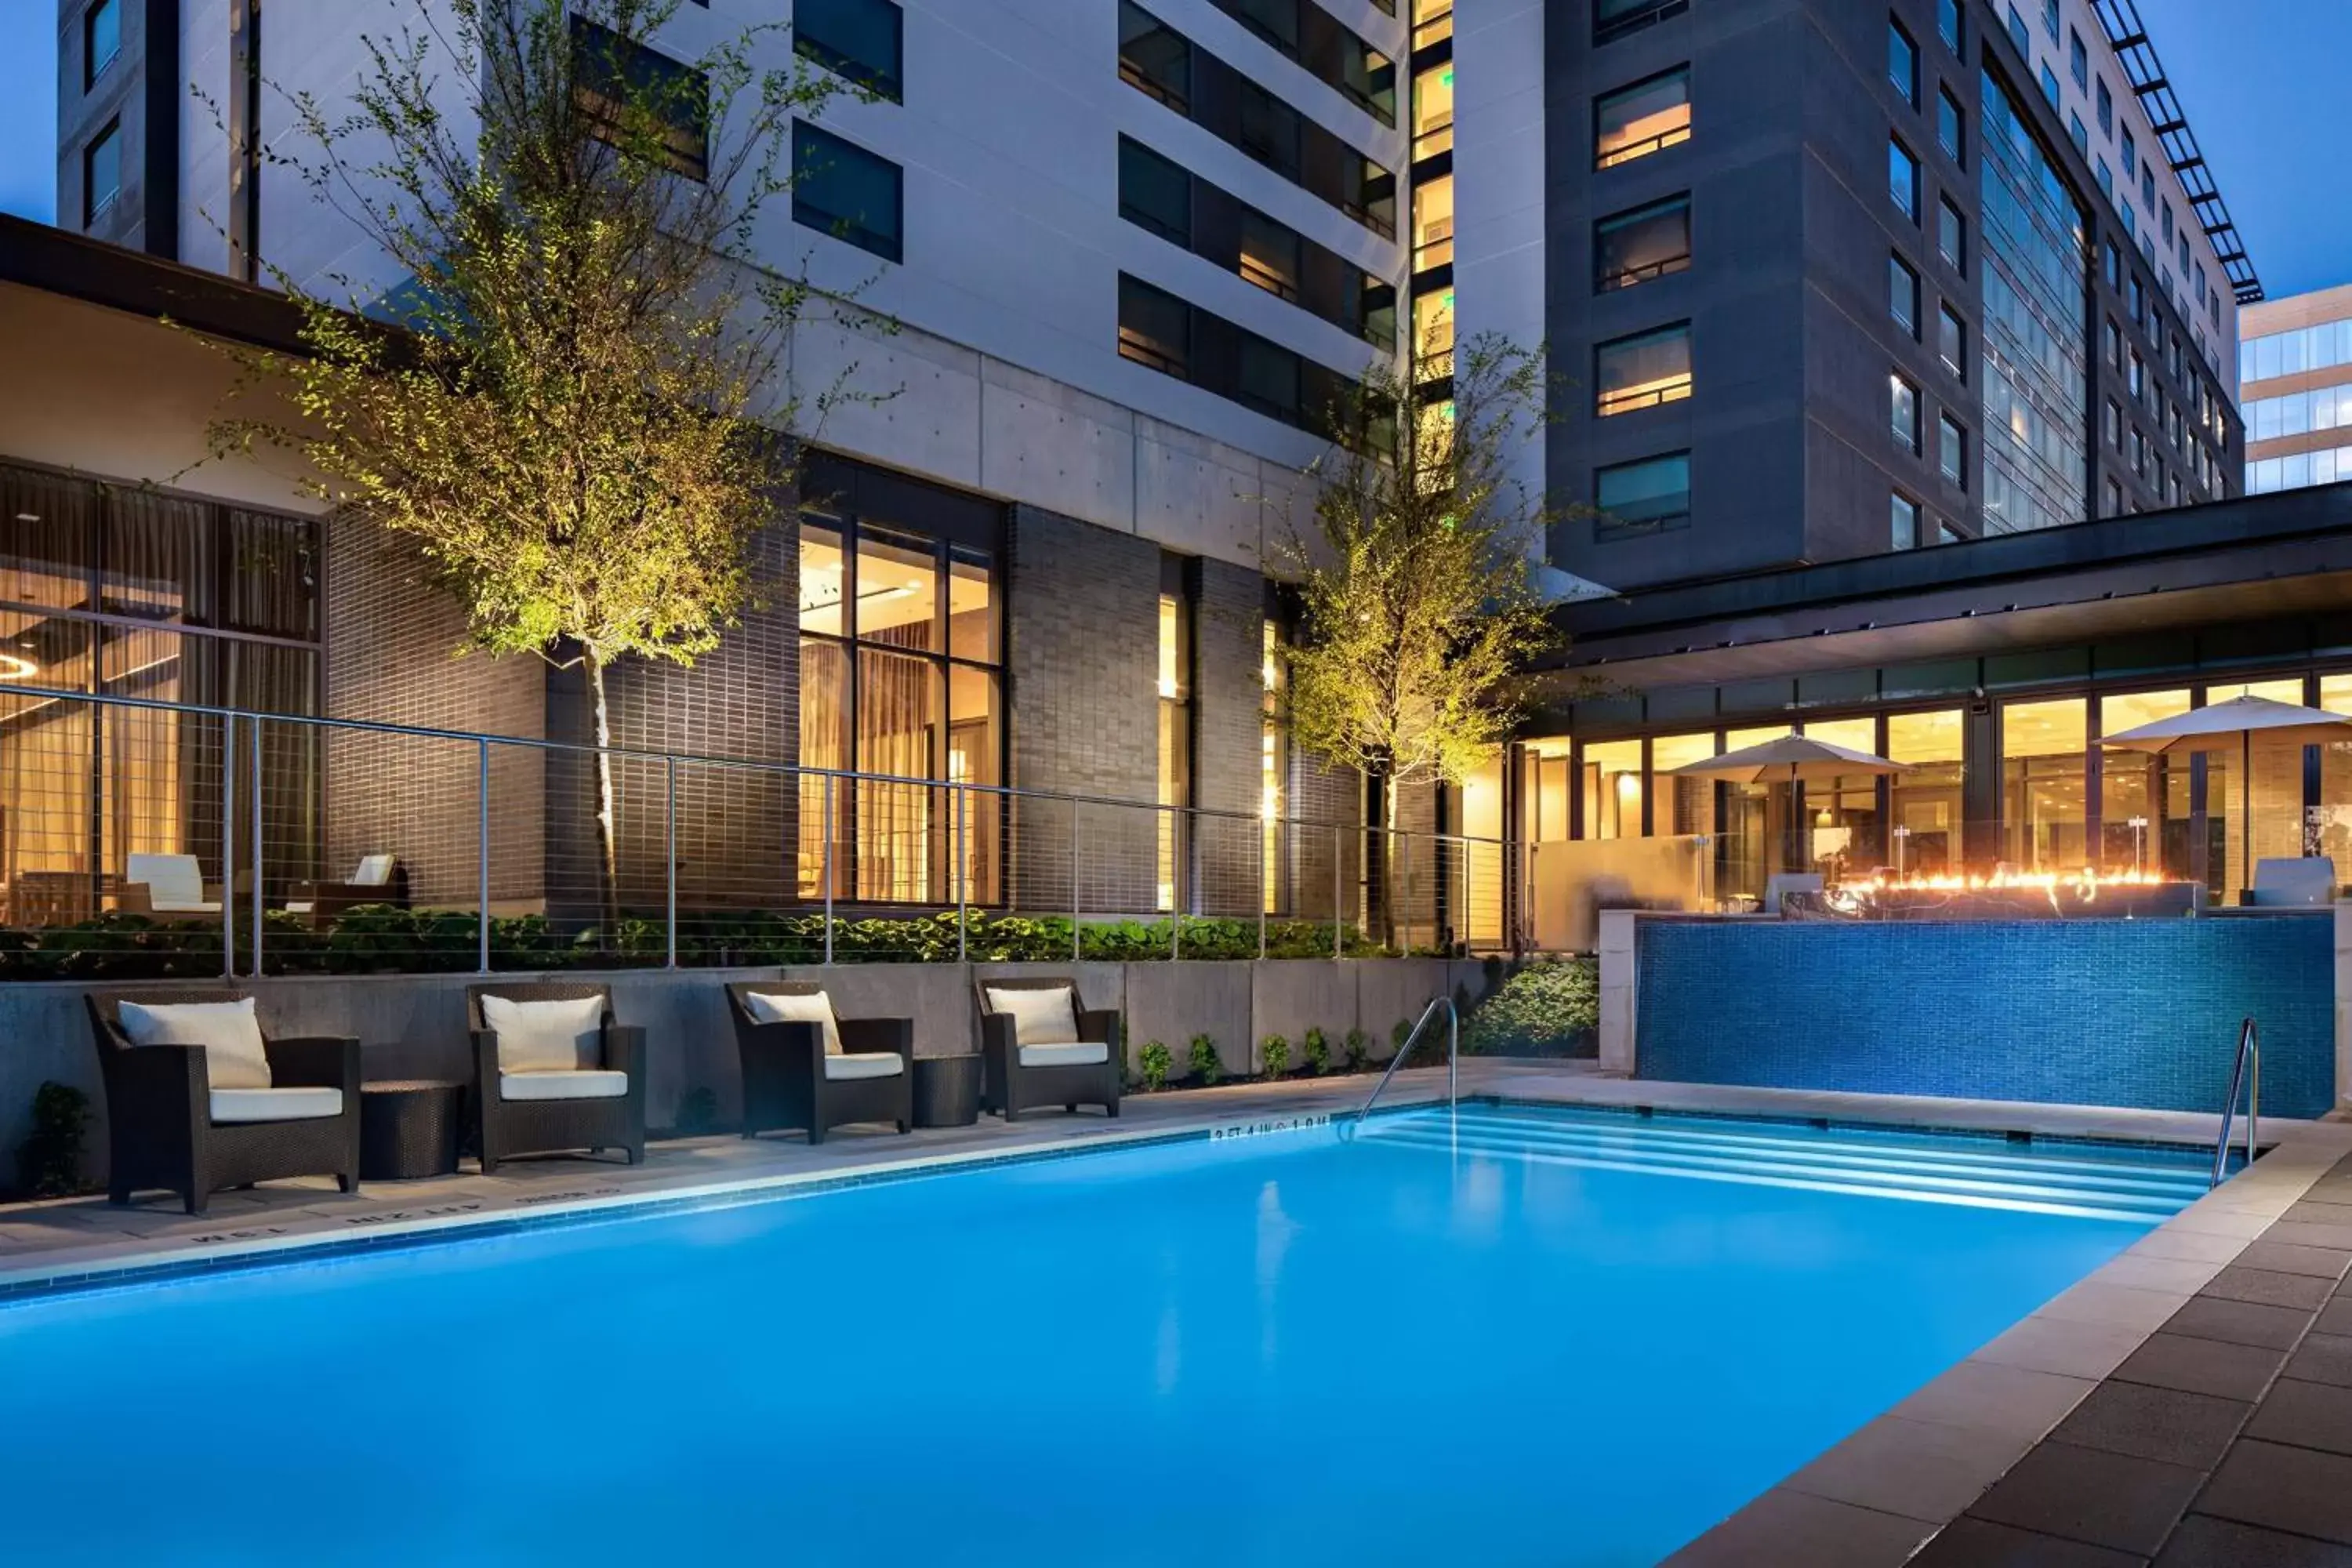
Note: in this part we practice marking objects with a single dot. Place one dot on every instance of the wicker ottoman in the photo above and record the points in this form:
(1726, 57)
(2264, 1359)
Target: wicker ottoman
(946, 1090)
(409, 1128)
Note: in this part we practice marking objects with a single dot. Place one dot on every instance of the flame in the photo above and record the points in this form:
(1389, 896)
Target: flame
(2084, 885)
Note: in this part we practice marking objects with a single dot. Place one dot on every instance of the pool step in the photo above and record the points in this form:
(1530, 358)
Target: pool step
(1860, 1163)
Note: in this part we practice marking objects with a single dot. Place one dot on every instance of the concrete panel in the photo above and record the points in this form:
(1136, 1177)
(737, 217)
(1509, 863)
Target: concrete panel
(1389, 989)
(1173, 1002)
(1196, 495)
(1052, 445)
(927, 420)
(1292, 995)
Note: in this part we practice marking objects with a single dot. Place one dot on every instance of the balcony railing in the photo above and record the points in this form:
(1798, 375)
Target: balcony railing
(480, 852)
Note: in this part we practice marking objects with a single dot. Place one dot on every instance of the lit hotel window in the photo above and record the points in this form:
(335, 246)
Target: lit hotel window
(1642, 372)
(1647, 117)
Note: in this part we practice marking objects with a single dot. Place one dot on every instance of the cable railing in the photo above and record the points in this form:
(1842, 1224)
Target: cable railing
(145, 837)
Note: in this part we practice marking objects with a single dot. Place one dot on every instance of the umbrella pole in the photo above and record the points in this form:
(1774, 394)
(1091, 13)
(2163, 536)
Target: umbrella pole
(2246, 811)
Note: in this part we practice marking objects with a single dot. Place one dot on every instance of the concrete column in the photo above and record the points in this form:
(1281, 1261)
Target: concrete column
(1618, 933)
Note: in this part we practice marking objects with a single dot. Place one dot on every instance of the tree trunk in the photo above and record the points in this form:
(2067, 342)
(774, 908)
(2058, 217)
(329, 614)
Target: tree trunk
(608, 853)
(1380, 850)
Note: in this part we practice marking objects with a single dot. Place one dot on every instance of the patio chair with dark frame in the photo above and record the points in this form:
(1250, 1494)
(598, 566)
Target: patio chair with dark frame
(793, 1077)
(1037, 1050)
(585, 1092)
(178, 1120)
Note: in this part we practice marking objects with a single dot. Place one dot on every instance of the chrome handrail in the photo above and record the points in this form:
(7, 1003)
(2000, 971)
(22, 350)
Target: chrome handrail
(2249, 1057)
(1453, 1055)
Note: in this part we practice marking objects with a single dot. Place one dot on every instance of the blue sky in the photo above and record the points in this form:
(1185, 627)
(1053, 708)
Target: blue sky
(2262, 81)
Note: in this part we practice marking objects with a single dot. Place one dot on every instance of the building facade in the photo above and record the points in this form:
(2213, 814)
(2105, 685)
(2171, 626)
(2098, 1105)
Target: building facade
(2294, 374)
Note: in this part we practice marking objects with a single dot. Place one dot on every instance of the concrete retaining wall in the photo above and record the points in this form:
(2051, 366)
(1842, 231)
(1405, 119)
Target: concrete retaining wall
(414, 1025)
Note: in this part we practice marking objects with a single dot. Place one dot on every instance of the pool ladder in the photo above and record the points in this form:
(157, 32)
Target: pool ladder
(2246, 1074)
(1453, 1056)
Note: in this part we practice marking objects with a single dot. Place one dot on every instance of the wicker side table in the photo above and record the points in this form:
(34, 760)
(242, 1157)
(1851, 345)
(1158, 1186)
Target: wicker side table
(946, 1090)
(409, 1128)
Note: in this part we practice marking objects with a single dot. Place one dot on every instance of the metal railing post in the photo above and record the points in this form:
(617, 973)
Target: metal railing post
(1177, 863)
(670, 858)
(1466, 919)
(825, 868)
(964, 892)
(228, 846)
(1404, 894)
(1075, 950)
(229, 892)
(1263, 826)
(482, 858)
(1339, 884)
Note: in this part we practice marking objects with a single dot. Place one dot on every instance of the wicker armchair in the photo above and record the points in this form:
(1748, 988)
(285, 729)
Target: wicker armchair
(590, 1113)
(1019, 1077)
(168, 1128)
(790, 1080)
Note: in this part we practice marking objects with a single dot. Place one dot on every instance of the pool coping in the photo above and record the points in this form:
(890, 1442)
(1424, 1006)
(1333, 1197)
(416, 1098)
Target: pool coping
(1887, 1491)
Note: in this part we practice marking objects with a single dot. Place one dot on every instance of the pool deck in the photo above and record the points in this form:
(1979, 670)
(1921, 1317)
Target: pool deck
(2188, 1403)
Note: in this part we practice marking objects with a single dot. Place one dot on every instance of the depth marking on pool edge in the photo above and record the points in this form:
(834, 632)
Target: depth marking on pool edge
(1260, 1128)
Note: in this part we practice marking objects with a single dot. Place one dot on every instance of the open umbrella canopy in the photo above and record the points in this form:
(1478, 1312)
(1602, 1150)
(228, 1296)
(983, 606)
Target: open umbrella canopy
(1789, 759)
(2233, 723)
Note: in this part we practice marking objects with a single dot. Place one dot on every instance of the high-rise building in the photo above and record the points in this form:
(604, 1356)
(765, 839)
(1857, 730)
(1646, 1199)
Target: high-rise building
(2294, 377)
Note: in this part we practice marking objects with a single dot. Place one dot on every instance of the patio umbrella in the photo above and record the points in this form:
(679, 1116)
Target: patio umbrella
(2212, 726)
(1790, 759)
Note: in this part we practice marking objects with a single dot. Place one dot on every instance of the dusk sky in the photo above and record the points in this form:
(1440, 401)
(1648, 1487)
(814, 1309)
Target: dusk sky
(2259, 80)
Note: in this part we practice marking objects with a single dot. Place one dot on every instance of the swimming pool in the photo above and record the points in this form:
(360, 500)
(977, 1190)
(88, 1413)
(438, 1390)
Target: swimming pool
(1542, 1336)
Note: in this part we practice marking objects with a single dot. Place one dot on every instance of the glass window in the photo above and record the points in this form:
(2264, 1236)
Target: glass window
(2050, 18)
(1947, 23)
(1268, 380)
(1274, 765)
(857, 40)
(2016, 33)
(1841, 825)
(1952, 236)
(1643, 371)
(2106, 109)
(1952, 343)
(102, 40)
(2078, 134)
(1154, 58)
(1925, 802)
(1903, 62)
(1433, 111)
(1432, 22)
(843, 190)
(1952, 450)
(1154, 191)
(101, 172)
(1432, 335)
(2049, 84)
(1175, 730)
(1433, 223)
(1948, 120)
(1684, 806)
(1644, 497)
(1902, 179)
(2131, 157)
(1904, 520)
(1903, 399)
(1647, 117)
(2078, 59)
(2332, 821)
(1613, 790)
(1903, 296)
(1634, 247)
(1269, 253)
(2044, 816)
(2114, 425)
(1155, 328)
(626, 91)
(1269, 129)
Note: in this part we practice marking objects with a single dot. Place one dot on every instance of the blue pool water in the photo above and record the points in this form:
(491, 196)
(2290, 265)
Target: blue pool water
(1541, 1337)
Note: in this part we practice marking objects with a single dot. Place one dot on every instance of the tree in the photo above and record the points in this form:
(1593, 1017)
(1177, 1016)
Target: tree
(1420, 609)
(573, 402)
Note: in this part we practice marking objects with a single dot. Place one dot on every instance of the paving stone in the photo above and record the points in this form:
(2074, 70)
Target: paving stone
(2240, 1322)
(2298, 1491)
(2092, 1496)
(2201, 1366)
(2206, 1542)
(2307, 1415)
(2242, 1282)
(1980, 1543)
(2311, 1212)
(2009, 1399)
(1786, 1529)
(1921, 1470)
(2336, 1235)
(2162, 1423)
(2322, 1358)
(2336, 1318)
(2320, 1262)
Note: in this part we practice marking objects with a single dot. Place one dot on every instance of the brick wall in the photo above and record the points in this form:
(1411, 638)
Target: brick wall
(1082, 656)
(393, 642)
(1228, 697)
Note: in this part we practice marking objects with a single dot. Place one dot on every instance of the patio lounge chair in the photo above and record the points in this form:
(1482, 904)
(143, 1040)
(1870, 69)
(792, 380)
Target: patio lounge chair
(199, 1100)
(1039, 1047)
(805, 1067)
(380, 880)
(553, 1072)
(2292, 883)
(167, 885)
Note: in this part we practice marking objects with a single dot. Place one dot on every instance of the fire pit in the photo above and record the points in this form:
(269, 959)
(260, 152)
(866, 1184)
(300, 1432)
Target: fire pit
(2003, 895)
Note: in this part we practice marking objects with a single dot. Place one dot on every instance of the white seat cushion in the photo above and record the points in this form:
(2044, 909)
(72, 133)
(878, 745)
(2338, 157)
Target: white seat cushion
(557, 1085)
(796, 1007)
(1076, 1054)
(231, 1036)
(1046, 1015)
(865, 1064)
(547, 1037)
(374, 871)
(175, 883)
(275, 1104)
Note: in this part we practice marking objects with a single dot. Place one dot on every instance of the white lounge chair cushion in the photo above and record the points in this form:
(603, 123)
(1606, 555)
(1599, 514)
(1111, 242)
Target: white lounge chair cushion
(789, 1007)
(175, 883)
(1078, 1054)
(557, 1085)
(275, 1104)
(546, 1036)
(864, 1064)
(374, 871)
(230, 1035)
(1047, 1015)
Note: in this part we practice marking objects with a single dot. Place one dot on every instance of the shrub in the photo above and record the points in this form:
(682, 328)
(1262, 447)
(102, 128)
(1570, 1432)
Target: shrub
(1276, 1052)
(48, 1162)
(1154, 1060)
(1540, 1011)
(1206, 1068)
(1359, 1044)
(1400, 1035)
(1318, 1053)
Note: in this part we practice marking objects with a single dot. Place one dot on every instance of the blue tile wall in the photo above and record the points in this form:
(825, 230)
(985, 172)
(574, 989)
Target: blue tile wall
(2129, 1013)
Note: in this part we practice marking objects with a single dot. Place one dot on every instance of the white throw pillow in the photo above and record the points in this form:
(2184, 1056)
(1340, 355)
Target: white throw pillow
(547, 1037)
(796, 1007)
(234, 1055)
(1043, 1016)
